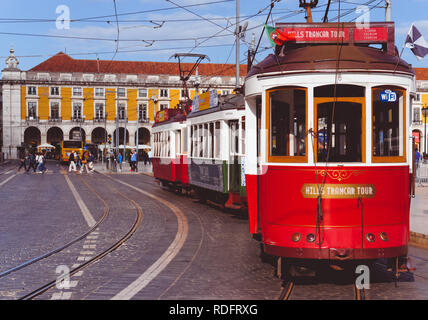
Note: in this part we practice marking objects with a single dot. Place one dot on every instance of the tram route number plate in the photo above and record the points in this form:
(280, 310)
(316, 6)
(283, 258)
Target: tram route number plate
(339, 191)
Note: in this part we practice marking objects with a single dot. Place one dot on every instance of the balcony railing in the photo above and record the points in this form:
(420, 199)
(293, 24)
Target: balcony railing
(32, 119)
(417, 121)
(99, 119)
(121, 119)
(143, 120)
(55, 119)
(77, 119)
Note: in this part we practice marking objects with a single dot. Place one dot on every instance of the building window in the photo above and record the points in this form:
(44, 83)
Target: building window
(32, 110)
(99, 111)
(77, 110)
(225, 92)
(163, 106)
(121, 92)
(142, 112)
(418, 97)
(388, 124)
(55, 110)
(142, 93)
(416, 115)
(163, 93)
(32, 91)
(54, 91)
(121, 111)
(286, 123)
(99, 92)
(77, 91)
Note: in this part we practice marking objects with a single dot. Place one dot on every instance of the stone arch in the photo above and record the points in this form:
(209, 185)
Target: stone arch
(54, 135)
(77, 133)
(32, 136)
(143, 136)
(98, 135)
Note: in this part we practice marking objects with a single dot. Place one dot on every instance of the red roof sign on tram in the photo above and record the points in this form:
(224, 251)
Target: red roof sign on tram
(313, 33)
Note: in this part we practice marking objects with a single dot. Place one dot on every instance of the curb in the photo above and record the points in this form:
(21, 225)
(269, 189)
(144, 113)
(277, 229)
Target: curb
(419, 240)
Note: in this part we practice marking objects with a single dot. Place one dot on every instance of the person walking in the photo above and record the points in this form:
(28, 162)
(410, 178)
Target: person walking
(84, 160)
(40, 163)
(32, 162)
(22, 161)
(150, 154)
(91, 163)
(72, 159)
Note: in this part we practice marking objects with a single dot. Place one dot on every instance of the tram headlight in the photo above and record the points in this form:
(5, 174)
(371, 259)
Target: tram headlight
(384, 236)
(370, 237)
(310, 237)
(296, 237)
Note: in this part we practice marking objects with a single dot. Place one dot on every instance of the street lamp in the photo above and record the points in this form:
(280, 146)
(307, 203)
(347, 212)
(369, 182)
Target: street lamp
(425, 112)
(155, 100)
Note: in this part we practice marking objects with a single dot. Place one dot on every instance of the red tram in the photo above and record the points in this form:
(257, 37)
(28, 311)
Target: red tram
(328, 178)
(170, 148)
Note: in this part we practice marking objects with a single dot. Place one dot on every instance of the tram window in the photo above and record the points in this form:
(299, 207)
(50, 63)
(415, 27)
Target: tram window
(211, 141)
(200, 141)
(217, 140)
(206, 148)
(287, 122)
(388, 123)
(234, 137)
(178, 142)
(339, 132)
(243, 135)
(184, 135)
(343, 90)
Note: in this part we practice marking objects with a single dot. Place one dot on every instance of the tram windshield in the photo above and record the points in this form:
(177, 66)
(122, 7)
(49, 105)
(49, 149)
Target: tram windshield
(339, 112)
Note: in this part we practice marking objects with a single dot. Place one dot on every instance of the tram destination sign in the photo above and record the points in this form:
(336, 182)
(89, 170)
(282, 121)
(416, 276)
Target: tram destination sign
(369, 33)
(339, 191)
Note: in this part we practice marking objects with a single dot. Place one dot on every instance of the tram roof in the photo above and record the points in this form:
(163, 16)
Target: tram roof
(305, 54)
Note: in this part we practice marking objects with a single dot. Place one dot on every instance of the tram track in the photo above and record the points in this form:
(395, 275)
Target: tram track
(35, 293)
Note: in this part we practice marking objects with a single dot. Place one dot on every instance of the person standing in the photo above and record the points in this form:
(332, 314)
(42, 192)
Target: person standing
(91, 163)
(119, 162)
(134, 161)
(72, 159)
(418, 160)
(40, 163)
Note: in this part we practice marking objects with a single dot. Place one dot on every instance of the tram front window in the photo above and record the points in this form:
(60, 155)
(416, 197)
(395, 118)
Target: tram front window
(339, 110)
(341, 134)
(287, 122)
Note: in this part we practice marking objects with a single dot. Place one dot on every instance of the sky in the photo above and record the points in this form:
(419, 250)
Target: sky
(154, 30)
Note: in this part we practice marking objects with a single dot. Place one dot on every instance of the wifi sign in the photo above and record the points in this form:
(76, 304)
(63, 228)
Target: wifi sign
(388, 96)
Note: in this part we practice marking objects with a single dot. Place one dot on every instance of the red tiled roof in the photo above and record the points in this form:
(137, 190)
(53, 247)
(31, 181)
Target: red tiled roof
(62, 62)
(421, 73)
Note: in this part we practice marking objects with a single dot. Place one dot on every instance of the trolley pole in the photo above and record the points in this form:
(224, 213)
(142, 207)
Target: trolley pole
(388, 10)
(237, 34)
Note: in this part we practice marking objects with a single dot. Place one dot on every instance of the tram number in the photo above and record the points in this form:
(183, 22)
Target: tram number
(339, 191)
(363, 280)
(63, 279)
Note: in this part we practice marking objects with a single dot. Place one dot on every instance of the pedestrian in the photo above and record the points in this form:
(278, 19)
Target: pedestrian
(145, 157)
(32, 162)
(72, 159)
(40, 163)
(22, 161)
(150, 154)
(91, 163)
(84, 161)
(134, 161)
(119, 161)
(418, 160)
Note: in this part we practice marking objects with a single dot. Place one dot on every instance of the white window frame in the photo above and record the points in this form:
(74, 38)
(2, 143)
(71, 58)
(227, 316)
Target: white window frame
(96, 115)
(161, 91)
(77, 92)
(36, 109)
(50, 109)
(98, 91)
(119, 93)
(81, 110)
(54, 94)
(145, 92)
(142, 108)
(30, 93)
